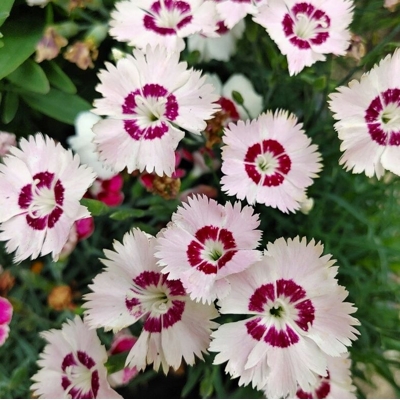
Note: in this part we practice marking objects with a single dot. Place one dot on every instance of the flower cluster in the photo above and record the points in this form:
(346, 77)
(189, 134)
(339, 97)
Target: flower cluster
(204, 281)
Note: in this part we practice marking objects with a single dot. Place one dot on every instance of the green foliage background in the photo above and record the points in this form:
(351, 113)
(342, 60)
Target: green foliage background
(356, 218)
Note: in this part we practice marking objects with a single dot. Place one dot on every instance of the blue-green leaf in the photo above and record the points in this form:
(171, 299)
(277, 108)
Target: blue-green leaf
(58, 78)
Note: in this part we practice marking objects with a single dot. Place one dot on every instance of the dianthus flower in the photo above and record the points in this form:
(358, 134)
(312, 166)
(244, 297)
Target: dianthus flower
(132, 288)
(161, 22)
(72, 365)
(6, 311)
(335, 385)
(219, 48)
(269, 160)
(205, 243)
(305, 31)
(149, 99)
(41, 185)
(368, 114)
(298, 318)
(233, 11)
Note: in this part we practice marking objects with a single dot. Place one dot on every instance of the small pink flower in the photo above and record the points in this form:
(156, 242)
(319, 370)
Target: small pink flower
(206, 243)
(41, 185)
(72, 365)
(305, 31)
(269, 160)
(6, 311)
(109, 191)
(123, 341)
(84, 228)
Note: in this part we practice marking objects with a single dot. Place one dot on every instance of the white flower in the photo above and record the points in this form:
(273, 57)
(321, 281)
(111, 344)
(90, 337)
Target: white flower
(305, 31)
(368, 115)
(161, 22)
(252, 101)
(335, 385)
(41, 185)
(269, 161)
(205, 243)
(233, 11)
(149, 99)
(219, 48)
(132, 288)
(72, 365)
(82, 144)
(298, 319)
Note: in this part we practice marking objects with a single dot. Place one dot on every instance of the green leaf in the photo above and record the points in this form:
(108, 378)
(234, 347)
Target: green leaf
(5, 8)
(116, 362)
(30, 76)
(20, 37)
(95, 207)
(9, 107)
(58, 78)
(121, 215)
(61, 106)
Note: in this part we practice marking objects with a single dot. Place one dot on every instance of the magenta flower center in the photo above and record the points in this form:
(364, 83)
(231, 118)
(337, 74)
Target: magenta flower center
(283, 311)
(321, 392)
(383, 118)
(80, 378)
(304, 25)
(148, 112)
(266, 163)
(159, 301)
(42, 201)
(166, 17)
(211, 249)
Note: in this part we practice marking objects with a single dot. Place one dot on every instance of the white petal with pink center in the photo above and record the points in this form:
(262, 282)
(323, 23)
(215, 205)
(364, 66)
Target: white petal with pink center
(305, 31)
(149, 100)
(72, 365)
(205, 243)
(269, 160)
(368, 115)
(337, 384)
(161, 22)
(132, 288)
(291, 294)
(41, 185)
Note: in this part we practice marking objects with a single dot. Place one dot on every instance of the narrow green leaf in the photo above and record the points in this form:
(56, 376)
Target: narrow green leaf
(61, 106)
(121, 215)
(237, 97)
(58, 78)
(5, 8)
(31, 77)
(9, 107)
(20, 37)
(116, 362)
(95, 207)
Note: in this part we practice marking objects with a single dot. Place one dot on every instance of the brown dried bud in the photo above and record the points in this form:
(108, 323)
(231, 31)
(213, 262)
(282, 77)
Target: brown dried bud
(7, 282)
(82, 54)
(49, 45)
(166, 187)
(60, 298)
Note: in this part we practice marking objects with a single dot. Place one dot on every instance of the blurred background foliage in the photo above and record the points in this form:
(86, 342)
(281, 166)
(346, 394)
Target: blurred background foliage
(356, 218)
